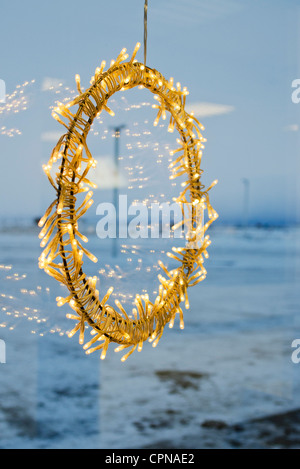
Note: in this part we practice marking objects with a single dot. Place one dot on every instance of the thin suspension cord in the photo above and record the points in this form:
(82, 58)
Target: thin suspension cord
(145, 30)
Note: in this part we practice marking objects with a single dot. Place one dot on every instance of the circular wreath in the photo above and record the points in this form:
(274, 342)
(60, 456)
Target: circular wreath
(62, 257)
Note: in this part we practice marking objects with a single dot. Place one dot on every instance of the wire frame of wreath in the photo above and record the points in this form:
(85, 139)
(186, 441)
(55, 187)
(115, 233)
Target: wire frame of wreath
(63, 254)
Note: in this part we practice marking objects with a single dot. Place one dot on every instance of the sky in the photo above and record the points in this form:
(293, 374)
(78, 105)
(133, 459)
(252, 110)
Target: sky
(237, 58)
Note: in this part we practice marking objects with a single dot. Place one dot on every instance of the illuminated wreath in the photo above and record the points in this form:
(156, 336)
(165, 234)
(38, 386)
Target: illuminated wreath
(62, 257)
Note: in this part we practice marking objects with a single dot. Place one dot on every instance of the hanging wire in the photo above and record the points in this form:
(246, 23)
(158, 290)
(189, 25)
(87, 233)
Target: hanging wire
(145, 30)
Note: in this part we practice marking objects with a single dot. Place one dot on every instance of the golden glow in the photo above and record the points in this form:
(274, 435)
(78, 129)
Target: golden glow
(60, 234)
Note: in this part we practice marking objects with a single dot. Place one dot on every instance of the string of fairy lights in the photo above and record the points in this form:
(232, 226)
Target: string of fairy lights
(15, 103)
(62, 241)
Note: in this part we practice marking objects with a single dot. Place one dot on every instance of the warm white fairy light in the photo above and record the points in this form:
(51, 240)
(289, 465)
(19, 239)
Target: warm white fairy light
(15, 103)
(61, 235)
(13, 309)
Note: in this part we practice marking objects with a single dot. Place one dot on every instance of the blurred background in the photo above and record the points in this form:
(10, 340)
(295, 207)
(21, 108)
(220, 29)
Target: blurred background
(227, 380)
